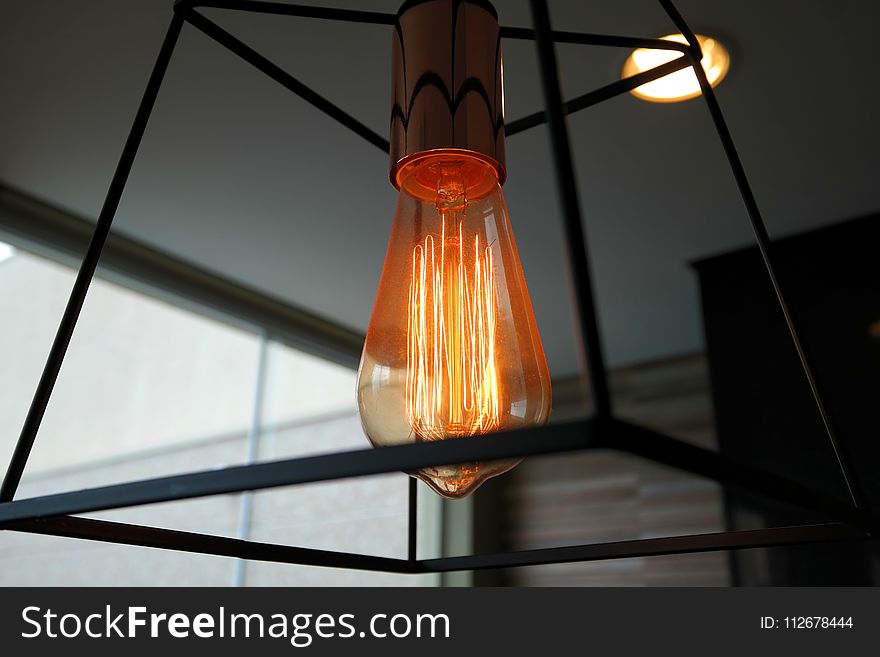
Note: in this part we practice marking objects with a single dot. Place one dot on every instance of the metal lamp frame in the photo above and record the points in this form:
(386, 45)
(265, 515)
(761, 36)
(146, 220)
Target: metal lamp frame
(837, 520)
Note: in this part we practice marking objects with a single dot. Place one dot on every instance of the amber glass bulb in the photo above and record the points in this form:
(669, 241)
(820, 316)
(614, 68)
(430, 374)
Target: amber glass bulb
(453, 349)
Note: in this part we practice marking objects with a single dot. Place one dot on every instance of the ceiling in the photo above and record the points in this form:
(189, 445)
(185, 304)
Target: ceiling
(240, 176)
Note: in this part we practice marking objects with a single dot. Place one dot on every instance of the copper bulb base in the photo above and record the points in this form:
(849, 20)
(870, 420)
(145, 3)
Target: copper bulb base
(446, 82)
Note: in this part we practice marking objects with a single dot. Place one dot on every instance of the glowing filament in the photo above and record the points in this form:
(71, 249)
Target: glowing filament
(451, 370)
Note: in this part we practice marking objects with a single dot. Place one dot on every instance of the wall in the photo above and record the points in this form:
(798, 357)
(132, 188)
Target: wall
(601, 496)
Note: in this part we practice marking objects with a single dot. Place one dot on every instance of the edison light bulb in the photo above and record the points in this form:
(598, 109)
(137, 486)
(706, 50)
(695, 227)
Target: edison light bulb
(452, 350)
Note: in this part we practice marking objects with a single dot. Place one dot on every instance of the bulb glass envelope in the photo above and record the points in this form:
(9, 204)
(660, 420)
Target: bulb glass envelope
(453, 349)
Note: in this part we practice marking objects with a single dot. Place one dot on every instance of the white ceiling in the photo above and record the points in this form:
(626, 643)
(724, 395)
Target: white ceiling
(240, 176)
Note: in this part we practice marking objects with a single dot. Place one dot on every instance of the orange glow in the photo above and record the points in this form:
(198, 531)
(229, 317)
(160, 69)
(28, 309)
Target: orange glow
(683, 84)
(452, 373)
(452, 350)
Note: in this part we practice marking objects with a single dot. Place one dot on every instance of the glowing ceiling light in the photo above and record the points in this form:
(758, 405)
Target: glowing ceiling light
(682, 84)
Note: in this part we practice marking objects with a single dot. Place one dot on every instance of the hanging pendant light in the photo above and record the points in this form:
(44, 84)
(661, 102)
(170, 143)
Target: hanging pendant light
(452, 349)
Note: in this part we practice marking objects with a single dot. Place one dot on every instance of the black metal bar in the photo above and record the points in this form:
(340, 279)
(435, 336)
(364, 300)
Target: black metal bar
(87, 269)
(593, 361)
(412, 529)
(844, 460)
(284, 78)
(647, 547)
(571, 436)
(579, 435)
(380, 18)
(114, 532)
(599, 95)
(303, 11)
(678, 454)
(170, 539)
(693, 44)
(519, 125)
(586, 39)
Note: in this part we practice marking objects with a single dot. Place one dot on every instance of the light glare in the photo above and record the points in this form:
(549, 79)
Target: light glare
(683, 84)
(6, 251)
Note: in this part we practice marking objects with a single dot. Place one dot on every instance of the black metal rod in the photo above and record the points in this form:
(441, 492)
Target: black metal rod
(284, 78)
(579, 435)
(380, 18)
(586, 39)
(87, 269)
(844, 460)
(693, 44)
(599, 95)
(513, 127)
(303, 11)
(519, 125)
(571, 436)
(114, 532)
(169, 539)
(412, 529)
(647, 547)
(590, 346)
(678, 454)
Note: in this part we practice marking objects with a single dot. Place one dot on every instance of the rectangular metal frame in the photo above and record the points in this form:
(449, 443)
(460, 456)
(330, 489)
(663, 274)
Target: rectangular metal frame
(55, 514)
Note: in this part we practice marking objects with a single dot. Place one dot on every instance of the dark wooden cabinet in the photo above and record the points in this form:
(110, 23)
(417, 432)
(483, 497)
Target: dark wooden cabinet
(764, 409)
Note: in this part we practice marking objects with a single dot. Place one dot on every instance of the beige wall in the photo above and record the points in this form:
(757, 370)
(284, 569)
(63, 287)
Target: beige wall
(602, 496)
(139, 374)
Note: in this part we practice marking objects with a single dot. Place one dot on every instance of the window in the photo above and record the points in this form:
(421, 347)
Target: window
(150, 389)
